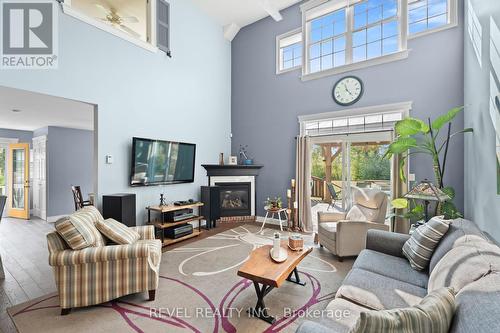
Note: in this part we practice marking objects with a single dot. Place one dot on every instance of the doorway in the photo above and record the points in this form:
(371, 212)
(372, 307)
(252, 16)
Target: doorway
(18, 175)
(3, 174)
(341, 162)
(47, 145)
(347, 149)
(39, 179)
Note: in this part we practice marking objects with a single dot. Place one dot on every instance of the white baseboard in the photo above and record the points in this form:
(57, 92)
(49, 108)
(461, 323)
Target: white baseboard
(52, 219)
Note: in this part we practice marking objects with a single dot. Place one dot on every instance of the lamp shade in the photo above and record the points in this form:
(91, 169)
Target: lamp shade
(427, 191)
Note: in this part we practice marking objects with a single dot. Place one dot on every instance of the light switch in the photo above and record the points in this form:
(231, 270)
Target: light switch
(109, 159)
(411, 177)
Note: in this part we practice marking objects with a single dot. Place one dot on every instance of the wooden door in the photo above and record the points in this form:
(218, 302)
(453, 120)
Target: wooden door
(18, 169)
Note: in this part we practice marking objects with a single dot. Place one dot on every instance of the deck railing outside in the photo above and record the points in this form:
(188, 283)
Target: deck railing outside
(320, 191)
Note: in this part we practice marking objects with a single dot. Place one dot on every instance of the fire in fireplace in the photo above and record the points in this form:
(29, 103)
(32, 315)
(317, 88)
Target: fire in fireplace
(235, 199)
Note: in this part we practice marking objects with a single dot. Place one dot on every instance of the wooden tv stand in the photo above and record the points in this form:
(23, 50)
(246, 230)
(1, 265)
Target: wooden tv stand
(161, 224)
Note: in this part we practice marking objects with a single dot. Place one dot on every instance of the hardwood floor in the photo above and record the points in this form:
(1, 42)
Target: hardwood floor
(23, 248)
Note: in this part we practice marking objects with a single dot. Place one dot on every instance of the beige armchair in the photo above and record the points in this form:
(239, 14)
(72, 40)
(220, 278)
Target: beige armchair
(344, 234)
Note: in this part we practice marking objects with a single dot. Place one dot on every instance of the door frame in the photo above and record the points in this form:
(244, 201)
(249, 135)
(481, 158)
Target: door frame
(4, 143)
(350, 121)
(345, 141)
(42, 211)
(16, 213)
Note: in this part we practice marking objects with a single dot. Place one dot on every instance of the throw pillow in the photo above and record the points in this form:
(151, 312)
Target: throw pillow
(355, 214)
(77, 234)
(419, 248)
(117, 232)
(433, 314)
(90, 215)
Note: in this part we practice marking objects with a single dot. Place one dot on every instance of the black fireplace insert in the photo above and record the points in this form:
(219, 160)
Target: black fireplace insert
(235, 199)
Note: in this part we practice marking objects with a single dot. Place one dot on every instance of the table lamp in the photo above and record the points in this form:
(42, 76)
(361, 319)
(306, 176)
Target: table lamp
(427, 192)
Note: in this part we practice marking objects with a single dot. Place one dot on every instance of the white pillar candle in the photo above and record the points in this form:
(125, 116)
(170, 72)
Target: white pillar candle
(276, 245)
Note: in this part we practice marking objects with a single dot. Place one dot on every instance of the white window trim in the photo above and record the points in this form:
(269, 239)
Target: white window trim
(357, 65)
(473, 25)
(151, 26)
(452, 22)
(403, 107)
(403, 42)
(278, 58)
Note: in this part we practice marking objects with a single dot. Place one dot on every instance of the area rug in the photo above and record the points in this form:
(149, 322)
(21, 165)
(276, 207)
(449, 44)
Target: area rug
(199, 291)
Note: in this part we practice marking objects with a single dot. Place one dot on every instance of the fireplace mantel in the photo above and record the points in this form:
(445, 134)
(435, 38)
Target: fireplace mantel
(218, 174)
(232, 170)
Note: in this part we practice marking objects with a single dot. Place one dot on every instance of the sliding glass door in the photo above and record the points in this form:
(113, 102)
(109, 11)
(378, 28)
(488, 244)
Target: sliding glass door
(341, 162)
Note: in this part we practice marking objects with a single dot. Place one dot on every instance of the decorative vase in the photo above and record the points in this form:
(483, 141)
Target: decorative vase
(276, 245)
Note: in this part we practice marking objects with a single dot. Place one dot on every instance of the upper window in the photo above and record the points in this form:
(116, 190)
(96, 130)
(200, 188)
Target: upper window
(327, 42)
(428, 15)
(343, 33)
(475, 32)
(289, 51)
(134, 21)
(376, 29)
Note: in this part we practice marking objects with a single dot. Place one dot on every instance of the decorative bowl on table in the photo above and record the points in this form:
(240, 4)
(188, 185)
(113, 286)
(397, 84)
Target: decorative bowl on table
(281, 256)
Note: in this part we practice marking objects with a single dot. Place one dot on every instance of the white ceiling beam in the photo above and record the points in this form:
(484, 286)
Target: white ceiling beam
(271, 10)
(230, 31)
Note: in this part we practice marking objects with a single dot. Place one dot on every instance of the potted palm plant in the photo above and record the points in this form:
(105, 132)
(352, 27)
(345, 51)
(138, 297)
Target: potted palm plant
(415, 136)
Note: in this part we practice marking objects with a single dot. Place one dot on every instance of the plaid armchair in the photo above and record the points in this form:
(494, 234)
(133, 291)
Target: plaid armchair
(96, 275)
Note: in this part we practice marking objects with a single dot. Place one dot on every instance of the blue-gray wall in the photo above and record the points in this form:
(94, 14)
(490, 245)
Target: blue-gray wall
(23, 136)
(482, 203)
(139, 93)
(265, 106)
(70, 161)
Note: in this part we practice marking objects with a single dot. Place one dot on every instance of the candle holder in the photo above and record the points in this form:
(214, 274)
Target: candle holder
(162, 200)
(292, 205)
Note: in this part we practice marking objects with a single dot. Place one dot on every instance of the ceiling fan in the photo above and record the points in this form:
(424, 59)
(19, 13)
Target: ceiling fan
(115, 19)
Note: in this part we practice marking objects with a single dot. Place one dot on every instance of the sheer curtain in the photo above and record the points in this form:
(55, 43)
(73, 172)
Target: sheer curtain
(303, 176)
(346, 176)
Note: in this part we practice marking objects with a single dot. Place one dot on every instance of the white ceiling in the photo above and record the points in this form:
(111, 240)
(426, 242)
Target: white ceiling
(242, 12)
(38, 110)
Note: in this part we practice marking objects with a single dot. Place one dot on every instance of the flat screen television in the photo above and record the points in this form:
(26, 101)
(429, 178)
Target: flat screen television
(158, 162)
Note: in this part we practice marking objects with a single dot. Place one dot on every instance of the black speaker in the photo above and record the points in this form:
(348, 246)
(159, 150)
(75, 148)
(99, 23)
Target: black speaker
(210, 196)
(121, 207)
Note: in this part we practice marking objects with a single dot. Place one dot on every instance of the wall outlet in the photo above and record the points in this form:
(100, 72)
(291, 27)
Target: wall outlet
(109, 159)
(411, 177)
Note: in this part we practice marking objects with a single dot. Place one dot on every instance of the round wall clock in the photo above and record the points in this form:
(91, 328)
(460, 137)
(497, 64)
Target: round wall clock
(347, 91)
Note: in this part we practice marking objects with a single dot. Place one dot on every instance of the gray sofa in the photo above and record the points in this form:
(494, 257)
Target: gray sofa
(381, 278)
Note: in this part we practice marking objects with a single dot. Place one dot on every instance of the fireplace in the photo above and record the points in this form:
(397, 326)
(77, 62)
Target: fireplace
(236, 188)
(235, 199)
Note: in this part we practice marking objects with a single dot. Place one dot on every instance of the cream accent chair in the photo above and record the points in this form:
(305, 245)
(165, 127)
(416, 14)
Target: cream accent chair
(345, 234)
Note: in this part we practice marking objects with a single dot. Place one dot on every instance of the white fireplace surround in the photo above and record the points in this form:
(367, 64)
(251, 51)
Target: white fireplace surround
(238, 179)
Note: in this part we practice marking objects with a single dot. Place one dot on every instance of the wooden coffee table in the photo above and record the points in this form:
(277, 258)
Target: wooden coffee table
(266, 274)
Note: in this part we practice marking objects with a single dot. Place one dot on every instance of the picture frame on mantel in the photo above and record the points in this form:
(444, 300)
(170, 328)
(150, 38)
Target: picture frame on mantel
(233, 160)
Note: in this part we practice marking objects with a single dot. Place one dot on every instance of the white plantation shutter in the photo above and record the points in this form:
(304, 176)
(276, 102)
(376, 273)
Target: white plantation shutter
(163, 26)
